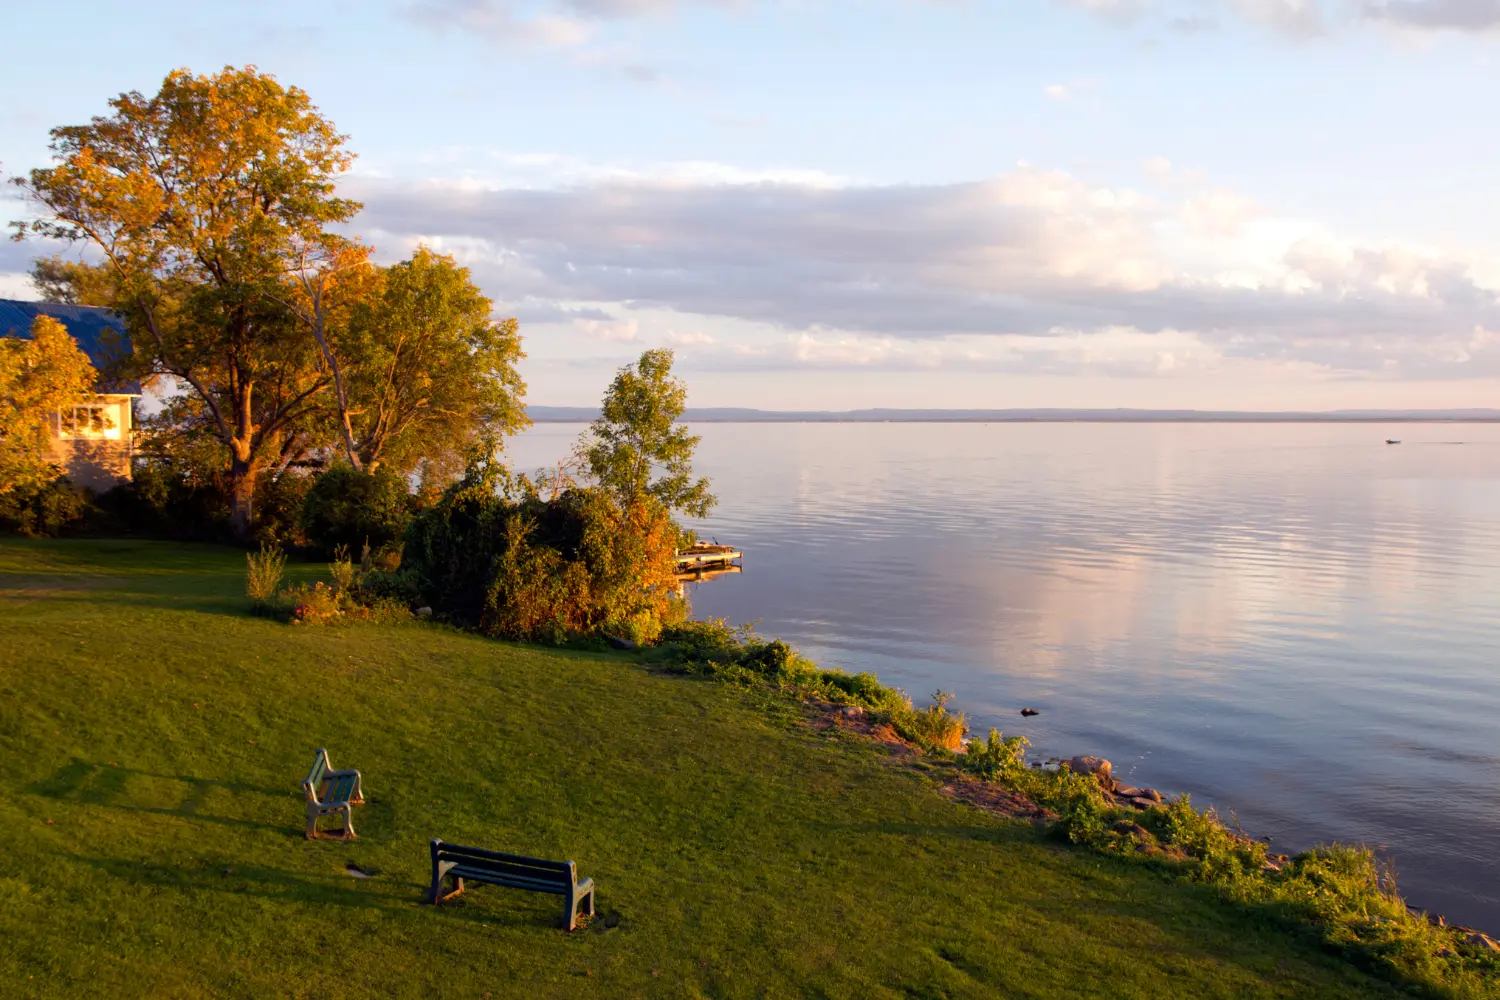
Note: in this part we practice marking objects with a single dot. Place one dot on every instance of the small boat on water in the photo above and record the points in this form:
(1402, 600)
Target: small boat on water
(1391, 441)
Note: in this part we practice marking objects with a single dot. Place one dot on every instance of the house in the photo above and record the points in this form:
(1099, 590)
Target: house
(92, 440)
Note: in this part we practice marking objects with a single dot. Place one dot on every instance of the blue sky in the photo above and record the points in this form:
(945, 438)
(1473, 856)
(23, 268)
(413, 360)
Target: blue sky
(1204, 203)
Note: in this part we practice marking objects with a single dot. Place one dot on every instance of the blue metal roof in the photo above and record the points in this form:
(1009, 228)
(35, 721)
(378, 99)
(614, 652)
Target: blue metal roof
(100, 333)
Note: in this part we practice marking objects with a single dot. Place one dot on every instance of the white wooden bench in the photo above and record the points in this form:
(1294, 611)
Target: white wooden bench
(331, 793)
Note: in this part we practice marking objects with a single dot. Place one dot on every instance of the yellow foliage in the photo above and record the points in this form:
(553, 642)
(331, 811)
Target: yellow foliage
(38, 376)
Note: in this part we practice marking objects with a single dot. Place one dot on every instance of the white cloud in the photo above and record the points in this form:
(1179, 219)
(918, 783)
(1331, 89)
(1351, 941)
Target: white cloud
(1302, 18)
(871, 273)
(1058, 91)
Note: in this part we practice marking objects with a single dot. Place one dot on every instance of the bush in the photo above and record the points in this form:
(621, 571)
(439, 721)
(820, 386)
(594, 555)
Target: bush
(162, 501)
(278, 508)
(351, 508)
(263, 573)
(493, 555)
(45, 510)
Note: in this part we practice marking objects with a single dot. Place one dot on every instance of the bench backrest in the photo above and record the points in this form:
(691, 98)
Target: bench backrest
(508, 869)
(314, 779)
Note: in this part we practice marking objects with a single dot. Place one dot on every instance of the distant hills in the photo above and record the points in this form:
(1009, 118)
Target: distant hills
(726, 414)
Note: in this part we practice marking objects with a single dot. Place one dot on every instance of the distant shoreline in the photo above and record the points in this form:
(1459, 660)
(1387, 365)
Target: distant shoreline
(582, 414)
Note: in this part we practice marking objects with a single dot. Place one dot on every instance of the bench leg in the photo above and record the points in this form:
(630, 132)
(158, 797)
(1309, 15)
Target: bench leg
(570, 920)
(312, 823)
(348, 811)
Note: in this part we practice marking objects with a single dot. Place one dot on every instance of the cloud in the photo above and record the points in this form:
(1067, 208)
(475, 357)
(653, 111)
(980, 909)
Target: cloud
(1028, 254)
(1299, 18)
(1058, 91)
(558, 23)
(1458, 15)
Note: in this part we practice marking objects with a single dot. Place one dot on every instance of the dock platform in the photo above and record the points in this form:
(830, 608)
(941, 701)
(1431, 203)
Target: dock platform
(704, 555)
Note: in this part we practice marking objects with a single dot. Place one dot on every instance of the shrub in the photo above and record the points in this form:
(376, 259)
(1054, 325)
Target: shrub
(263, 573)
(351, 508)
(161, 500)
(42, 510)
(933, 727)
(279, 498)
(998, 758)
(493, 555)
(341, 570)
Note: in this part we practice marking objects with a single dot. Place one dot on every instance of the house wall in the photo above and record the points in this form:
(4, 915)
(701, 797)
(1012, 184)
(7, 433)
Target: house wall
(93, 442)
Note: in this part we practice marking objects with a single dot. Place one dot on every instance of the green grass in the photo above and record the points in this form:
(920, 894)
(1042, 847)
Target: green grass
(153, 734)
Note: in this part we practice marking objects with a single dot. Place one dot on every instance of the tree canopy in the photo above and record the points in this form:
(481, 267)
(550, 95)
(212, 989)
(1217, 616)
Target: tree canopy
(637, 436)
(213, 205)
(38, 376)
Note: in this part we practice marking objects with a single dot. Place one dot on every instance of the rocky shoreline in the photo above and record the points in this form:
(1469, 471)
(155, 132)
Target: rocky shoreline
(995, 798)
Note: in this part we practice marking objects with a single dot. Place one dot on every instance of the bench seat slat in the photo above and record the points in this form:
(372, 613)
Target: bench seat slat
(450, 852)
(490, 878)
(509, 869)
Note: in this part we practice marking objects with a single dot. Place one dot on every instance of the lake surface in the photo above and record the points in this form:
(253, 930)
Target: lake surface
(1294, 622)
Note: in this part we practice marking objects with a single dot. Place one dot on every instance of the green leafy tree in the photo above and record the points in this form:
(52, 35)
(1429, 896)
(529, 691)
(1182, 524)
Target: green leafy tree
(203, 200)
(428, 370)
(39, 376)
(637, 437)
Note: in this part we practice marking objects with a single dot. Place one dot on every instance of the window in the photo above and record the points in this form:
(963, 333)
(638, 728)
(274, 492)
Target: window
(88, 420)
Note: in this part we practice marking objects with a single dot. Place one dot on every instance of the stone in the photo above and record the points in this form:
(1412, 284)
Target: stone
(1096, 766)
(853, 712)
(618, 643)
(1126, 791)
(1151, 793)
(1483, 941)
(1141, 802)
(424, 612)
(1132, 830)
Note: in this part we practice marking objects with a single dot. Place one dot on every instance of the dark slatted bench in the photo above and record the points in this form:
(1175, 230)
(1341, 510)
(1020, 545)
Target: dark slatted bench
(510, 870)
(331, 793)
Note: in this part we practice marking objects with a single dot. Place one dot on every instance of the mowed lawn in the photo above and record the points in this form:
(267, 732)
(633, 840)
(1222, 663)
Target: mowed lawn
(153, 734)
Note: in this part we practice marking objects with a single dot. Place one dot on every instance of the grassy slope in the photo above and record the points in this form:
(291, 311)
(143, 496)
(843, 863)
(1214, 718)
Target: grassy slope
(163, 732)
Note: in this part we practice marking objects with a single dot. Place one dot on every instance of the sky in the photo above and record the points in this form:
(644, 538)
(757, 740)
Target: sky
(1220, 204)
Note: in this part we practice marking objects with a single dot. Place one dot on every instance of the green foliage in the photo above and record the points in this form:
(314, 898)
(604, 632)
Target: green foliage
(202, 199)
(46, 509)
(39, 375)
(341, 570)
(346, 507)
(279, 499)
(998, 758)
(264, 571)
(932, 727)
(1340, 892)
(637, 436)
(428, 369)
(162, 501)
(737, 655)
(494, 555)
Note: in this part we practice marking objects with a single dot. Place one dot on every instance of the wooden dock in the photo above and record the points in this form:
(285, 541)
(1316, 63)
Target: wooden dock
(704, 555)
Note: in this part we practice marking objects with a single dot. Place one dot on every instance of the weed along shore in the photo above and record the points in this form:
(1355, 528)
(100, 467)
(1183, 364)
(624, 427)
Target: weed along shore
(751, 825)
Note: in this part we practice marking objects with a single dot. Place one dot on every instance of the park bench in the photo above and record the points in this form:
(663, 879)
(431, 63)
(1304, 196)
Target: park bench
(331, 793)
(513, 871)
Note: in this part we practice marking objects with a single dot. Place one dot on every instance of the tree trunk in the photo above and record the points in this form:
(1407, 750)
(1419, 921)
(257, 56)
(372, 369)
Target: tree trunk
(242, 498)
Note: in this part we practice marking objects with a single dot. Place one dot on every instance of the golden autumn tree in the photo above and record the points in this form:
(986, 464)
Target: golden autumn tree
(203, 199)
(39, 376)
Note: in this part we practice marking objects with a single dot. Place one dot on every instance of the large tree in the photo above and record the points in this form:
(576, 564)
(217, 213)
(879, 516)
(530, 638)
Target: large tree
(203, 199)
(637, 437)
(426, 368)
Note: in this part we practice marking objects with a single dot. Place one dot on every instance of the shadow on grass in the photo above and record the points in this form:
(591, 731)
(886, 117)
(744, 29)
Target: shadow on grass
(279, 885)
(104, 785)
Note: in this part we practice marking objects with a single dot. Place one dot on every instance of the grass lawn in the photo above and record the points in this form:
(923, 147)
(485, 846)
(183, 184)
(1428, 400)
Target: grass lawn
(153, 734)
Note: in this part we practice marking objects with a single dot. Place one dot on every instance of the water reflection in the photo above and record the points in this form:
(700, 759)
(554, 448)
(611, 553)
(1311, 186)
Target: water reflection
(1295, 622)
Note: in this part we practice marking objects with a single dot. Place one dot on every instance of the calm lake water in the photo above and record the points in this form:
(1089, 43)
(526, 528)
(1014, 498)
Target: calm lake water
(1294, 622)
